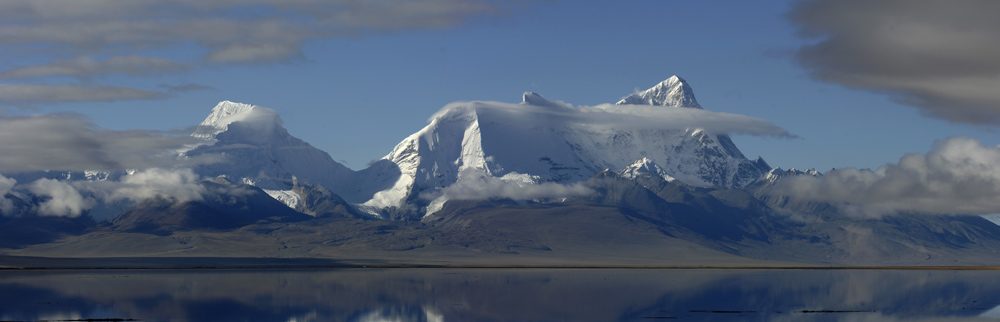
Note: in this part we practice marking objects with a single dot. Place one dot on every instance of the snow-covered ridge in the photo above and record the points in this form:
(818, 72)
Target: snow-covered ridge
(259, 151)
(555, 142)
(775, 174)
(644, 166)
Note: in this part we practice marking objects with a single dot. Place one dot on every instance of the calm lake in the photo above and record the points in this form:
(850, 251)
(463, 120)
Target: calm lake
(435, 295)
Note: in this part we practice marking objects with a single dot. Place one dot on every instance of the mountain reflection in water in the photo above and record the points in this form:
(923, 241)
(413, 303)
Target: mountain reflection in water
(438, 295)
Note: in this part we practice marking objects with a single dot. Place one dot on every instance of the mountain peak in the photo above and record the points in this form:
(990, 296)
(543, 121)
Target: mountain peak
(673, 91)
(532, 98)
(644, 166)
(228, 112)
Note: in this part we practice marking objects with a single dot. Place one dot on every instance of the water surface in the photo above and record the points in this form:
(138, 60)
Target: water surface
(499, 295)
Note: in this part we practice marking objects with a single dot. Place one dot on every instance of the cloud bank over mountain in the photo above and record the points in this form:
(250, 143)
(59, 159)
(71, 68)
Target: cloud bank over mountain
(72, 198)
(66, 141)
(939, 56)
(629, 117)
(958, 176)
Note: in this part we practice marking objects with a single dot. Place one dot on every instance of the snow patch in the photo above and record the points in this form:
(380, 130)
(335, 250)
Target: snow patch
(287, 197)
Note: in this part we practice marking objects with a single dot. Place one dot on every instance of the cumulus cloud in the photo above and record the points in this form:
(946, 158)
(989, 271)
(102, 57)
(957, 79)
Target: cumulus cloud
(73, 198)
(628, 117)
(70, 142)
(958, 176)
(179, 185)
(63, 200)
(128, 37)
(939, 56)
(475, 185)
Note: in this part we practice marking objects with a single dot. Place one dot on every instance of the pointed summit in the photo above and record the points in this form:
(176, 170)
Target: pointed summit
(262, 119)
(673, 91)
(644, 166)
(256, 149)
(532, 98)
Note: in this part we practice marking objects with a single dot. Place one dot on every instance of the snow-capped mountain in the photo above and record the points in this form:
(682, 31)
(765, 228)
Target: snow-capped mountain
(644, 167)
(762, 190)
(258, 150)
(541, 140)
(673, 91)
(712, 159)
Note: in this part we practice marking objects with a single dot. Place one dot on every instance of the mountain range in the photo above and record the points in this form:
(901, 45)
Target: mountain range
(541, 182)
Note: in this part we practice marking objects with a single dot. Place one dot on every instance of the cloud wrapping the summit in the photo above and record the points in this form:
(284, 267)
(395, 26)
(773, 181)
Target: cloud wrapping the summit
(627, 117)
(958, 176)
(939, 56)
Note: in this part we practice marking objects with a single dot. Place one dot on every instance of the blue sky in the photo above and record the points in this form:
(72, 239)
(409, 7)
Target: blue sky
(359, 87)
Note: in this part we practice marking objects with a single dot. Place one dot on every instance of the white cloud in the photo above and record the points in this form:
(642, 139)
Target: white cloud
(661, 117)
(63, 198)
(939, 56)
(958, 176)
(630, 117)
(69, 142)
(475, 185)
(180, 185)
(73, 198)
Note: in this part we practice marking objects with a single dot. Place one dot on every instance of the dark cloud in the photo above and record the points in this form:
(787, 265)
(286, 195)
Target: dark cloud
(958, 176)
(87, 67)
(33, 94)
(126, 37)
(271, 30)
(70, 142)
(6, 184)
(189, 87)
(939, 56)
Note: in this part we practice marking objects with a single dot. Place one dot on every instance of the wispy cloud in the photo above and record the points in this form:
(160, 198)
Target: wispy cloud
(475, 185)
(958, 176)
(627, 117)
(939, 56)
(70, 142)
(142, 38)
(87, 67)
(33, 94)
